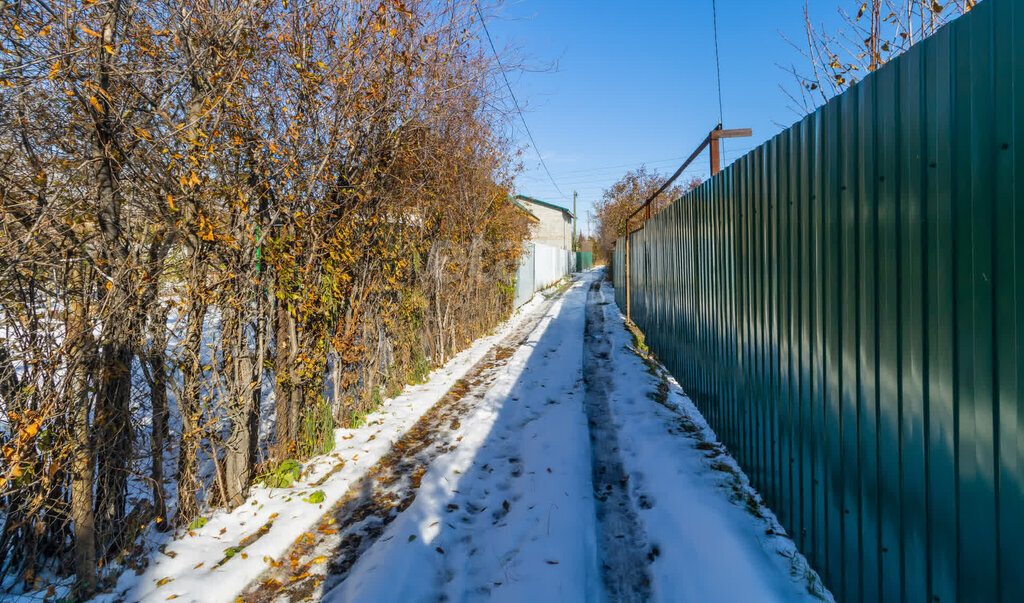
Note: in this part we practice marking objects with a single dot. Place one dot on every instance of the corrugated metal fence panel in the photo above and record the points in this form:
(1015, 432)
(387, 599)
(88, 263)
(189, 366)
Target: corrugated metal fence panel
(584, 260)
(551, 264)
(540, 267)
(526, 282)
(845, 304)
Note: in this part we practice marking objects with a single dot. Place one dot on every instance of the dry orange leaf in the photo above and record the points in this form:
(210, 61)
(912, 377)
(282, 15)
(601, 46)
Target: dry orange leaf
(31, 429)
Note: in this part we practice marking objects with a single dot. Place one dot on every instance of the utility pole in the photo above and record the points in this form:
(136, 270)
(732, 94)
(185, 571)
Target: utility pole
(574, 220)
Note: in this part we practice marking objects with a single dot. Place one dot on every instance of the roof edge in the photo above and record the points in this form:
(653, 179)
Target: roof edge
(545, 204)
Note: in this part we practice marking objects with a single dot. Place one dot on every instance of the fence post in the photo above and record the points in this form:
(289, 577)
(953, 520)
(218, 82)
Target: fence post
(625, 267)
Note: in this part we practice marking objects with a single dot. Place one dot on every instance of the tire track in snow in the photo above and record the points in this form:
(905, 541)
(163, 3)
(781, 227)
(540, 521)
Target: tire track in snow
(621, 535)
(321, 559)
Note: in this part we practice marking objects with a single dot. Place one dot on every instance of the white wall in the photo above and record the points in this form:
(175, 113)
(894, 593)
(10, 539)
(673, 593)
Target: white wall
(554, 228)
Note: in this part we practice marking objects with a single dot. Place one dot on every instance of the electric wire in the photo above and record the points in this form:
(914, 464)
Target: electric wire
(718, 64)
(519, 110)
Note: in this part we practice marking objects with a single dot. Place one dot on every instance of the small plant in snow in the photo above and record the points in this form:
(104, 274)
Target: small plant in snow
(285, 474)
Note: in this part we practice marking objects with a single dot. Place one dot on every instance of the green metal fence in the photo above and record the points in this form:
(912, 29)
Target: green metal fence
(845, 304)
(584, 260)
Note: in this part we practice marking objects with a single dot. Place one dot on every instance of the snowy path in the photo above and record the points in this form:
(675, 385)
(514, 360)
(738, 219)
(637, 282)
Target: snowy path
(529, 481)
(622, 536)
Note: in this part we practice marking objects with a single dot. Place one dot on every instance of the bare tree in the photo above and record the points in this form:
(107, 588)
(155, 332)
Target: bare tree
(626, 195)
(871, 33)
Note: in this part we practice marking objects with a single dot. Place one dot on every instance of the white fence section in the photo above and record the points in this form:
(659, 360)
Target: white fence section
(541, 267)
(551, 265)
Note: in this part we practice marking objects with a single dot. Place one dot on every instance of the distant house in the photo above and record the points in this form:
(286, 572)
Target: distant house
(551, 224)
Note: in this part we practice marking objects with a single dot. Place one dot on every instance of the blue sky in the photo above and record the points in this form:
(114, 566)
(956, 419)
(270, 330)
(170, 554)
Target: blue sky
(619, 84)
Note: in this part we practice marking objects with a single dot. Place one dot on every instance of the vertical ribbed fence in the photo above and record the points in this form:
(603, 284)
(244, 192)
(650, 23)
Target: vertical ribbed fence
(540, 267)
(526, 276)
(845, 304)
(584, 260)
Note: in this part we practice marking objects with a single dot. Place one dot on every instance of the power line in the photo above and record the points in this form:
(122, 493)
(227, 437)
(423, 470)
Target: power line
(589, 175)
(584, 180)
(519, 110)
(634, 164)
(718, 64)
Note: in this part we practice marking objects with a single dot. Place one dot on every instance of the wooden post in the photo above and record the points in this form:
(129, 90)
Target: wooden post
(718, 134)
(716, 160)
(629, 315)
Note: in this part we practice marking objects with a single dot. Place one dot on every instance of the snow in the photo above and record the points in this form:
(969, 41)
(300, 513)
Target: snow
(528, 444)
(711, 547)
(525, 445)
(187, 564)
(506, 509)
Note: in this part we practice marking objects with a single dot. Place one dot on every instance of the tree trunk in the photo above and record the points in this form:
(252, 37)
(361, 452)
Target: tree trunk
(295, 406)
(158, 397)
(82, 515)
(114, 388)
(243, 405)
(285, 428)
(114, 439)
(190, 402)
